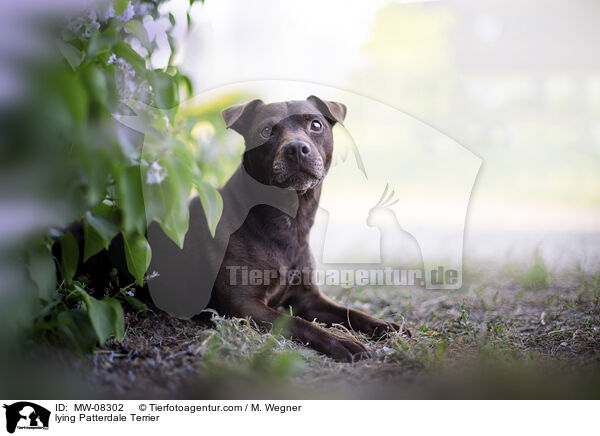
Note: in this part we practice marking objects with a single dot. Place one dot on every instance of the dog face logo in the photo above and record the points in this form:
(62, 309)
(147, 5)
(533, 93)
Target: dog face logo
(26, 415)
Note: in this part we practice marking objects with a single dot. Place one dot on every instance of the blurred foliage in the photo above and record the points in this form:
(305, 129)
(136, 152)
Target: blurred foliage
(98, 139)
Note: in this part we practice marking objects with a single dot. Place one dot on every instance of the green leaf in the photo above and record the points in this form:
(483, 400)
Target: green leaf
(105, 317)
(96, 83)
(104, 226)
(95, 169)
(118, 318)
(165, 90)
(120, 6)
(108, 211)
(212, 203)
(137, 255)
(131, 200)
(42, 271)
(172, 19)
(187, 83)
(176, 226)
(123, 50)
(101, 316)
(74, 96)
(93, 242)
(101, 42)
(98, 232)
(75, 328)
(70, 53)
(167, 202)
(138, 29)
(178, 185)
(135, 303)
(69, 256)
(172, 46)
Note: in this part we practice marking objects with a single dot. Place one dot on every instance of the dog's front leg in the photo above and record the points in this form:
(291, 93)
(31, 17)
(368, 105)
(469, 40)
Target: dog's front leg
(311, 304)
(338, 347)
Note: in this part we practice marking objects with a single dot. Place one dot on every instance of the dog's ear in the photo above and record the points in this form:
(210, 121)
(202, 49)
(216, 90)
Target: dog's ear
(236, 117)
(335, 112)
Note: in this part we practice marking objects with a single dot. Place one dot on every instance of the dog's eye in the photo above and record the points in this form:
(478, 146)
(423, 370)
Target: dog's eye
(266, 132)
(316, 126)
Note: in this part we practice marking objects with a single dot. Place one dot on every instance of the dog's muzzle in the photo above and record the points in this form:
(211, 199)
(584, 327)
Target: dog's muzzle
(298, 165)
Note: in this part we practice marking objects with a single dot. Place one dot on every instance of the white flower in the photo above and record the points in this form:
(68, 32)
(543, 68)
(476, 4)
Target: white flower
(107, 12)
(166, 119)
(153, 275)
(144, 8)
(156, 174)
(130, 293)
(127, 14)
(75, 25)
(125, 77)
(82, 26)
(92, 25)
(131, 86)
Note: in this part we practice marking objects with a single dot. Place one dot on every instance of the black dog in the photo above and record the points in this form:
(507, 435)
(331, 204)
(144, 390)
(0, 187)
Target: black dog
(270, 204)
(288, 145)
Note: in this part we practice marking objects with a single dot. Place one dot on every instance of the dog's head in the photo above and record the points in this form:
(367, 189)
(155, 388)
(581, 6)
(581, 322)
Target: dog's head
(288, 144)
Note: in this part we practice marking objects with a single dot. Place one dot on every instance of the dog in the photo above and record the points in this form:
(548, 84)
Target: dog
(289, 145)
(269, 207)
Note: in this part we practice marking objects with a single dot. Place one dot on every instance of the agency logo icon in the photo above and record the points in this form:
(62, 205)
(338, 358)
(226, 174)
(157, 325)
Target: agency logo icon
(25, 415)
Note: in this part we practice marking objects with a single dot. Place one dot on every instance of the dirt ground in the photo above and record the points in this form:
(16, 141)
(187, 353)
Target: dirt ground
(527, 336)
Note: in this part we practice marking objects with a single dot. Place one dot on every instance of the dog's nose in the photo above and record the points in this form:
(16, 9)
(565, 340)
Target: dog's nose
(297, 149)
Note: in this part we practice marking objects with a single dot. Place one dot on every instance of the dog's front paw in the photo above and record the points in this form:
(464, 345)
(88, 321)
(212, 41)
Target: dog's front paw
(344, 349)
(379, 329)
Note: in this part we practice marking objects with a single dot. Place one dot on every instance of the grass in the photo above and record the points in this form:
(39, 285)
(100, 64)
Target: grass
(535, 275)
(519, 334)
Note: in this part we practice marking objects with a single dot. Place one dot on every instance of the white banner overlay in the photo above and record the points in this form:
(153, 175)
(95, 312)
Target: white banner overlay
(299, 417)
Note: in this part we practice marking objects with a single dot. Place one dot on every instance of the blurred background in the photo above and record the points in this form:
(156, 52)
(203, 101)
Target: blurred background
(516, 84)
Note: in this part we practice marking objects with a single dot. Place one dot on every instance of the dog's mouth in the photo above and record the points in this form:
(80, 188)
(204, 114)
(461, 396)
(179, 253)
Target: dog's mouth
(301, 178)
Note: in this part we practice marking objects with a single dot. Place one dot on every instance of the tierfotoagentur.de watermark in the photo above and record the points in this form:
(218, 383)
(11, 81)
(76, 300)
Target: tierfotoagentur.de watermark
(244, 276)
